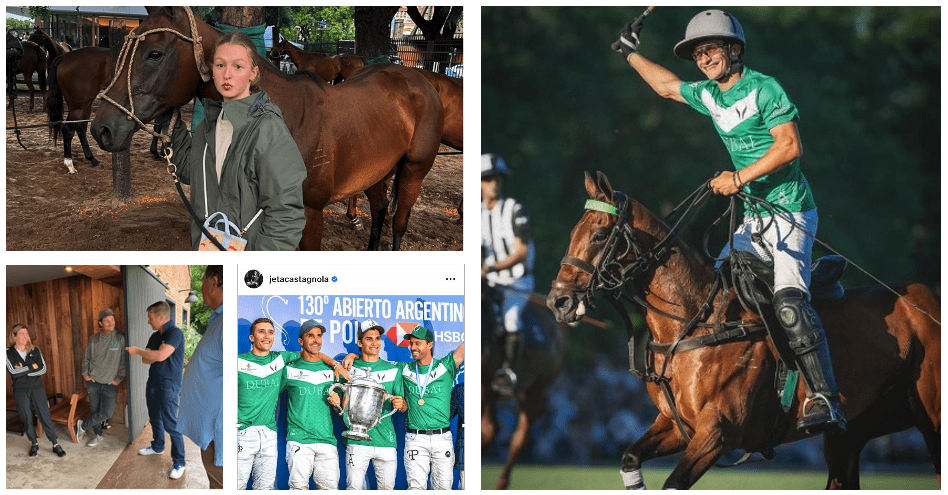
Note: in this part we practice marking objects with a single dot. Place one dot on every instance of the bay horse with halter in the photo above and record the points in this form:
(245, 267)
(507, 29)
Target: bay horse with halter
(350, 136)
(76, 77)
(710, 369)
(32, 60)
(537, 369)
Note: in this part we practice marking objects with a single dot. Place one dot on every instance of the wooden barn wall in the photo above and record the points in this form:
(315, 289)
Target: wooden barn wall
(61, 315)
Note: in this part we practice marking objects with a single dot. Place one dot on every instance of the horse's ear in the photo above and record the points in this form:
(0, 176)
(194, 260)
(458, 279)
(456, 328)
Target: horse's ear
(169, 11)
(591, 188)
(604, 185)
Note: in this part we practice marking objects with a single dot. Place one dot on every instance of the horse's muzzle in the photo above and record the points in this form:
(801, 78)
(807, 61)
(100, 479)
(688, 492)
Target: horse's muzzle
(565, 305)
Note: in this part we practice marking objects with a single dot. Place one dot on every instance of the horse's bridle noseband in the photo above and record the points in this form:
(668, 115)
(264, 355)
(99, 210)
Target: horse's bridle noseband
(610, 273)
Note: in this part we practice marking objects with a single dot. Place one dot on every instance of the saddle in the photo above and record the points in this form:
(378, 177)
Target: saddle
(754, 280)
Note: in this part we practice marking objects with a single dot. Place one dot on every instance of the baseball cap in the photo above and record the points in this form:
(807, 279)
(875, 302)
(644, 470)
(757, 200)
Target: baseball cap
(105, 312)
(369, 324)
(420, 332)
(309, 324)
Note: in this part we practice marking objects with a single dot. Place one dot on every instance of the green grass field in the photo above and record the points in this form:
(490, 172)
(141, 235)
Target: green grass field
(606, 478)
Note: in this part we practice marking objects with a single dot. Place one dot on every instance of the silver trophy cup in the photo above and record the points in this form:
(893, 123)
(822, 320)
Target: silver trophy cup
(362, 405)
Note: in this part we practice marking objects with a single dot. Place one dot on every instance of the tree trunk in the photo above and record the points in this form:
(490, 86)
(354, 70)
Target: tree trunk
(373, 35)
(242, 17)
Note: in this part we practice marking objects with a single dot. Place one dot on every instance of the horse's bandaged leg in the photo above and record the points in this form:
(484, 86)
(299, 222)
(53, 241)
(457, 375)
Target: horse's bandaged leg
(68, 162)
(633, 480)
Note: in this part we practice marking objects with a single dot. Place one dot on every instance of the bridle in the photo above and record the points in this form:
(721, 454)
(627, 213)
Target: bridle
(127, 55)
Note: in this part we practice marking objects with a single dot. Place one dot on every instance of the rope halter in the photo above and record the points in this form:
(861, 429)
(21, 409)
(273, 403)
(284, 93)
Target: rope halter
(130, 46)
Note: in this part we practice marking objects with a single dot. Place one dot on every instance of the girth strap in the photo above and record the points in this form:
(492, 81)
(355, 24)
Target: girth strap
(740, 333)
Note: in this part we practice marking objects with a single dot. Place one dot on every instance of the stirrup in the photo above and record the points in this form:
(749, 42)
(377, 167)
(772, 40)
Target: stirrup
(835, 417)
(505, 381)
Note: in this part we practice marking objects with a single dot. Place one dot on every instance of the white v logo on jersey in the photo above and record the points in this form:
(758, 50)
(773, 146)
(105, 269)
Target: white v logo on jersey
(260, 370)
(729, 118)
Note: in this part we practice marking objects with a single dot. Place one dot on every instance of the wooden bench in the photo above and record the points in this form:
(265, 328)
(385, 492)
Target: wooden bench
(67, 413)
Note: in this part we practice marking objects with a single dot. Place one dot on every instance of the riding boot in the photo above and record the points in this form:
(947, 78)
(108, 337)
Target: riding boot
(808, 341)
(506, 379)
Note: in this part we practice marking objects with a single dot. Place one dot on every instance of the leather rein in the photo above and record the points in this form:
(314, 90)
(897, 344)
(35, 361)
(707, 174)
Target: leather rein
(621, 261)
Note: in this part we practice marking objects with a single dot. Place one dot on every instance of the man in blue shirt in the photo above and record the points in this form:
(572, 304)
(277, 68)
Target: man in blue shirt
(165, 354)
(201, 417)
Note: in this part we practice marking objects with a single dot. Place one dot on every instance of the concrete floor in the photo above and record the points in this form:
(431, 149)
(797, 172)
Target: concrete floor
(111, 464)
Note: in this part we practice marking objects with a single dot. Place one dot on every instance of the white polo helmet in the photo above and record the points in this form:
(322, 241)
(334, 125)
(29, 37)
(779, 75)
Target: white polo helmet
(710, 24)
(492, 164)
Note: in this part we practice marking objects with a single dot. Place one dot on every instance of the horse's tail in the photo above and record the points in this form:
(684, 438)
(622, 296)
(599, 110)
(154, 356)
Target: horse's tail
(393, 206)
(54, 100)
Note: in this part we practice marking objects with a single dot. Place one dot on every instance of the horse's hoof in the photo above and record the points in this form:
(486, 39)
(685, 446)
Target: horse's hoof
(96, 164)
(357, 224)
(72, 173)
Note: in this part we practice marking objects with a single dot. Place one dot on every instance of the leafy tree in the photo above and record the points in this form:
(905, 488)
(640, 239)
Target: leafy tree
(20, 26)
(200, 314)
(373, 30)
(443, 24)
(326, 23)
(41, 13)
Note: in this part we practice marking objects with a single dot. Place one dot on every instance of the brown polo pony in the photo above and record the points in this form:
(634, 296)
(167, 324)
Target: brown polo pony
(451, 92)
(33, 60)
(53, 48)
(886, 351)
(350, 136)
(76, 77)
(537, 369)
(330, 68)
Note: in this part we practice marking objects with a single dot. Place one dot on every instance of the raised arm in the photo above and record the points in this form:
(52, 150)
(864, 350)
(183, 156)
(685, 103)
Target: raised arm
(459, 355)
(661, 80)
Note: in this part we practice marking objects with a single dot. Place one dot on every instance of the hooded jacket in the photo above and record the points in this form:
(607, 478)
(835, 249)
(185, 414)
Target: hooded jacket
(263, 169)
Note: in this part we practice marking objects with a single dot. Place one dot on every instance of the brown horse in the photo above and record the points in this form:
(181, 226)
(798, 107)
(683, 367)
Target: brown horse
(350, 136)
(53, 48)
(885, 350)
(537, 369)
(76, 77)
(33, 60)
(451, 92)
(330, 68)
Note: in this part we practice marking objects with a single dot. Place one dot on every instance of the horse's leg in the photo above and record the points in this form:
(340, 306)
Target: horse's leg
(841, 451)
(355, 220)
(29, 85)
(68, 130)
(488, 420)
(531, 405)
(705, 448)
(378, 203)
(661, 439)
(84, 141)
(313, 230)
(409, 187)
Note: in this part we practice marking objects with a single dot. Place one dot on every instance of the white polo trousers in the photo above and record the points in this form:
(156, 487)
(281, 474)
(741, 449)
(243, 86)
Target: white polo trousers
(257, 453)
(384, 460)
(429, 453)
(317, 460)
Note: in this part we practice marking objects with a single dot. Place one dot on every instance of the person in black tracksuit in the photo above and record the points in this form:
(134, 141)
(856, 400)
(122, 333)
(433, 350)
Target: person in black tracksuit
(26, 367)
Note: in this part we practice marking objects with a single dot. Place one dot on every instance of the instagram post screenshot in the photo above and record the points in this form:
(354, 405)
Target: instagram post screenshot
(350, 377)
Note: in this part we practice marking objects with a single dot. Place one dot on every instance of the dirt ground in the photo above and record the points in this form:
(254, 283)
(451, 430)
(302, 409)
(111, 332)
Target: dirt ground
(48, 209)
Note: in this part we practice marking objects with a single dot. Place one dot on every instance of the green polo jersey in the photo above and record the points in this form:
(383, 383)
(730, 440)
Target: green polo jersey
(439, 376)
(308, 417)
(743, 116)
(260, 379)
(389, 376)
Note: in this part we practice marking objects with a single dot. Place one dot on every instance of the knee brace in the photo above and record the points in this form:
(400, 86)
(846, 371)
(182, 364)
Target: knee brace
(800, 322)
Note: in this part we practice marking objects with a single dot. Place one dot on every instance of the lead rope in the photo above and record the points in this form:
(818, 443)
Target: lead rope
(129, 47)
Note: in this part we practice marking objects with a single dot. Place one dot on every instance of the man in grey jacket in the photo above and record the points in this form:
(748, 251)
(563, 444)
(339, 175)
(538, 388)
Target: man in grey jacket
(103, 369)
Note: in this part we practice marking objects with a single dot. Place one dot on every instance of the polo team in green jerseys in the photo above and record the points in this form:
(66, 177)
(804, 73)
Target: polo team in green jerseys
(421, 389)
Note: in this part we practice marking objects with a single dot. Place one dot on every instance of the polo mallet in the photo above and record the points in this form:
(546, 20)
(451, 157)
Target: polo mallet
(638, 20)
